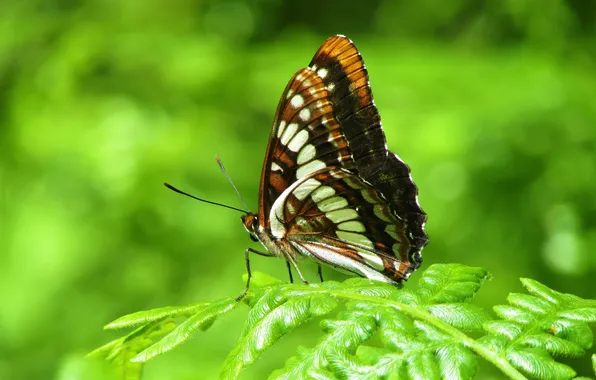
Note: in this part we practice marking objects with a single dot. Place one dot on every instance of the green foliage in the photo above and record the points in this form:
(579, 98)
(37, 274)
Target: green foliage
(149, 341)
(372, 330)
(492, 105)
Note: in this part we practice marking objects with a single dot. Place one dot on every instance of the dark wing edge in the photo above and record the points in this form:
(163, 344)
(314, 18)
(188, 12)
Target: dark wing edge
(342, 69)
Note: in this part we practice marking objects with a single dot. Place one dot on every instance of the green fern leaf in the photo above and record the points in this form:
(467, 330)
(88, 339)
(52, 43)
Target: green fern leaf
(541, 291)
(516, 314)
(538, 363)
(586, 314)
(201, 320)
(395, 328)
(508, 329)
(345, 333)
(577, 332)
(463, 316)
(361, 286)
(380, 330)
(554, 345)
(447, 283)
(121, 351)
(539, 326)
(456, 362)
(146, 316)
(530, 303)
(286, 311)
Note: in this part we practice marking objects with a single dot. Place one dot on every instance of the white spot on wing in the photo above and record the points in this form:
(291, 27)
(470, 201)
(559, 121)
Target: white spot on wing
(369, 257)
(353, 225)
(355, 238)
(338, 216)
(275, 167)
(307, 153)
(311, 167)
(372, 259)
(277, 228)
(322, 73)
(288, 133)
(304, 114)
(337, 174)
(298, 141)
(304, 189)
(331, 204)
(354, 182)
(297, 101)
(366, 194)
(280, 129)
(323, 193)
(290, 208)
(380, 213)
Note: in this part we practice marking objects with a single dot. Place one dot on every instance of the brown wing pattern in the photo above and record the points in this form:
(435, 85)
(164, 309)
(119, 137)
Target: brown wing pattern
(342, 220)
(346, 77)
(305, 137)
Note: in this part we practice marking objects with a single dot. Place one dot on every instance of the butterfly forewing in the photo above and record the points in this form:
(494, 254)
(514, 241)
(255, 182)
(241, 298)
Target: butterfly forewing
(305, 138)
(342, 70)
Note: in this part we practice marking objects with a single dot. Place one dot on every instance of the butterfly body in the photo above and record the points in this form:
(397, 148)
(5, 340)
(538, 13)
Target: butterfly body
(330, 189)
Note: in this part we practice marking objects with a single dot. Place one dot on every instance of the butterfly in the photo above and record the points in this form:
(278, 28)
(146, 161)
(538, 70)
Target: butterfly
(330, 189)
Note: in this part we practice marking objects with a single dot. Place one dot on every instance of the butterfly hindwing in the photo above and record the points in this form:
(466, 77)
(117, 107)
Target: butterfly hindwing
(338, 218)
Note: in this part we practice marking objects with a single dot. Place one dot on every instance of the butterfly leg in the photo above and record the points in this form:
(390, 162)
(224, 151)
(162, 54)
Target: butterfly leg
(246, 252)
(290, 272)
(320, 272)
(291, 260)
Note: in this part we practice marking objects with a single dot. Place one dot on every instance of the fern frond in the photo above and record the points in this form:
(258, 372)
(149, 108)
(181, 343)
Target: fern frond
(159, 333)
(536, 327)
(203, 319)
(373, 330)
(374, 308)
(280, 311)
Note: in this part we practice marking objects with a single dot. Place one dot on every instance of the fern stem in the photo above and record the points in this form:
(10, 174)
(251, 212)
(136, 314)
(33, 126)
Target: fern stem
(490, 356)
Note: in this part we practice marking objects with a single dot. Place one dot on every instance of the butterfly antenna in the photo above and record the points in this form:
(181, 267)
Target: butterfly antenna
(221, 166)
(200, 199)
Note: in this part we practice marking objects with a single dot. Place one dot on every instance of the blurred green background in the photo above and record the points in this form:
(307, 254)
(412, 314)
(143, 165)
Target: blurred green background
(491, 103)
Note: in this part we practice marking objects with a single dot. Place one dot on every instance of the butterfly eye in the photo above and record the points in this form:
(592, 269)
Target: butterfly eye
(253, 238)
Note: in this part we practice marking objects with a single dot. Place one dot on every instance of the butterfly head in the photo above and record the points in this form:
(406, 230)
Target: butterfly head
(251, 223)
